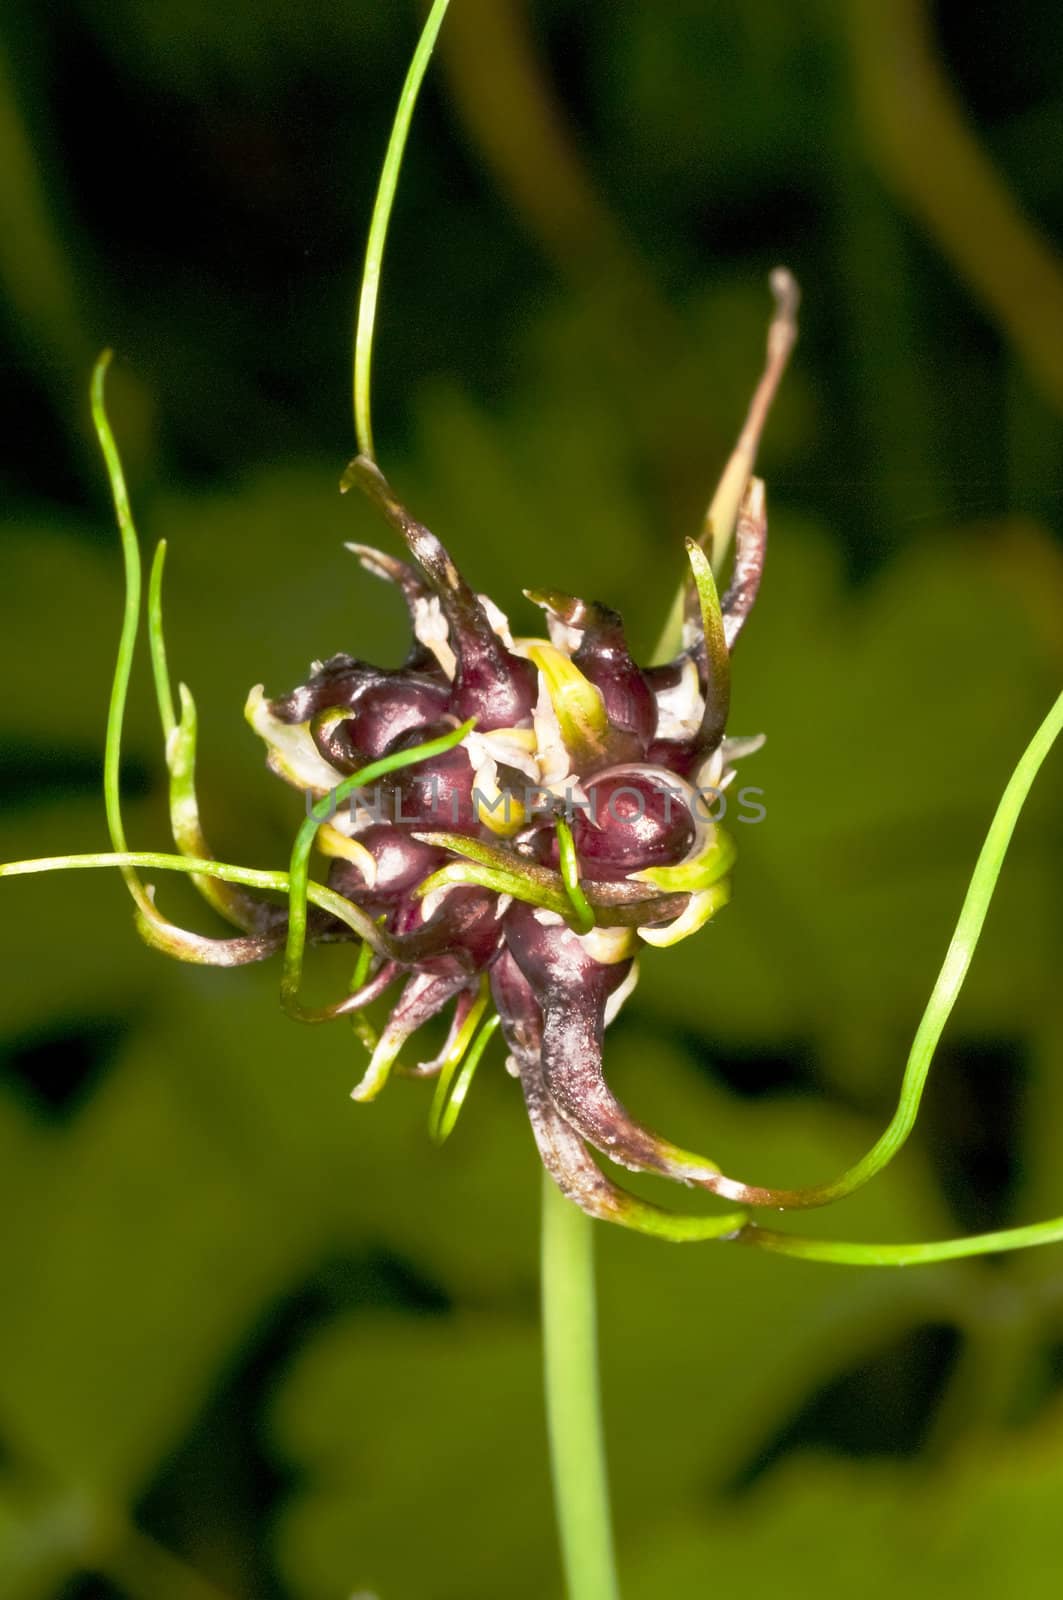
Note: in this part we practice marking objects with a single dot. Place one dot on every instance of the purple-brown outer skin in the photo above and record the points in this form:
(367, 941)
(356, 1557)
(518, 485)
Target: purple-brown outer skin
(604, 659)
(550, 990)
(635, 821)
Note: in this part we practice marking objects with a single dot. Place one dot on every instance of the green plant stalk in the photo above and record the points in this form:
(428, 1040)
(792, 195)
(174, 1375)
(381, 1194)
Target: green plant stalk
(378, 227)
(250, 877)
(112, 754)
(157, 643)
(582, 914)
(454, 1081)
(845, 1253)
(951, 978)
(573, 1400)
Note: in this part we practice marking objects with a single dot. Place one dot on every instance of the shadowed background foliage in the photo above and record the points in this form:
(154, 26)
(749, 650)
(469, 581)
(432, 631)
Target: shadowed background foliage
(257, 1342)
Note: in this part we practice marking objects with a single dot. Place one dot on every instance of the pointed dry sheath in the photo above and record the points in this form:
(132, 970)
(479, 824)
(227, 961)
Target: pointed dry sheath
(573, 823)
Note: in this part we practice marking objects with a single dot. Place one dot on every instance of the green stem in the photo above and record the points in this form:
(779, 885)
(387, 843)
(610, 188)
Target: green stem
(157, 643)
(112, 752)
(958, 959)
(378, 228)
(843, 1253)
(250, 877)
(573, 1402)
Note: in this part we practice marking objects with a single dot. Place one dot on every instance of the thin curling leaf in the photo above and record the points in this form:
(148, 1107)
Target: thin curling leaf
(323, 811)
(513, 881)
(378, 228)
(601, 1120)
(581, 916)
(957, 961)
(182, 945)
(237, 907)
(150, 922)
(335, 905)
(152, 926)
(361, 967)
(567, 1078)
(451, 1091)
(612, 904)
(943, 998)
(360, 1022)
(717, 656)
(918, 1254)
(451, 1060)
(492, 867)
(490, 855)
(157, 643)
(112, 759)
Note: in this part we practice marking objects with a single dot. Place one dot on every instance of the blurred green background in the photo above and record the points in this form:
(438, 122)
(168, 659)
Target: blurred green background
(258, 1342)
